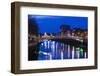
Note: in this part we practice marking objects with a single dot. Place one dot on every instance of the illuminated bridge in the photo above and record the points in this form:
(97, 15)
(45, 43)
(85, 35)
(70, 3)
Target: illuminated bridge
(77, 42)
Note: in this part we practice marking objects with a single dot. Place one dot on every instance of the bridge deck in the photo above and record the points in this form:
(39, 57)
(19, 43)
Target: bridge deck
(72, 42)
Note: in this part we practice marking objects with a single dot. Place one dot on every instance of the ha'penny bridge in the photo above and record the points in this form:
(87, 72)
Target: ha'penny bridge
(77, 42)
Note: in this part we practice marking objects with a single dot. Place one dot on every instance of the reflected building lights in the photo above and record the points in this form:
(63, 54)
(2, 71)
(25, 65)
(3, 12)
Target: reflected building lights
(62, 55)
(77, 53)
(73, 49)
(45, 43)
(81, 52)
(85, 55)
(50, 56)
(55, 50)
(68, 51)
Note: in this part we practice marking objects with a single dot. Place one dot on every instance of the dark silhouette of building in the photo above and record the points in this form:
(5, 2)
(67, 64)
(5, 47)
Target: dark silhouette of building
(64, 28)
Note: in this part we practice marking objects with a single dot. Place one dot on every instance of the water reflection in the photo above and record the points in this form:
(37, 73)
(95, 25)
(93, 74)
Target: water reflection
(52, 50)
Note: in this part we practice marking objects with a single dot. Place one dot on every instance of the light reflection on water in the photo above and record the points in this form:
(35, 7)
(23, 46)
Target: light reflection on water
(51, 50)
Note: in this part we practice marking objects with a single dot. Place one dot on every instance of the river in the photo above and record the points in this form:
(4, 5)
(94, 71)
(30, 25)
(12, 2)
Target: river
(52, 50)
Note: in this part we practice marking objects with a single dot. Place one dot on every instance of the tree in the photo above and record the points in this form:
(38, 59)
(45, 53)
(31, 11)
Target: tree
(32, 27)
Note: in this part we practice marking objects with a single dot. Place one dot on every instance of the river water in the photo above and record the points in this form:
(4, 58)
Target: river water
(52, 50)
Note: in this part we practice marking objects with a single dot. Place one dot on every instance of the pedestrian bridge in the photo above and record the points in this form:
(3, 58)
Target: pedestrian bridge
(71, 41)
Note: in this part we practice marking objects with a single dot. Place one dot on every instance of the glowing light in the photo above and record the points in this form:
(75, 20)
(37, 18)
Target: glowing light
(73, 52)
(68, 51)
(81, 49)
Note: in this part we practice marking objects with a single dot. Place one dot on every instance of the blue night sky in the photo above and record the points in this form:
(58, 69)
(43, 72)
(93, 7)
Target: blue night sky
(51, 24)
